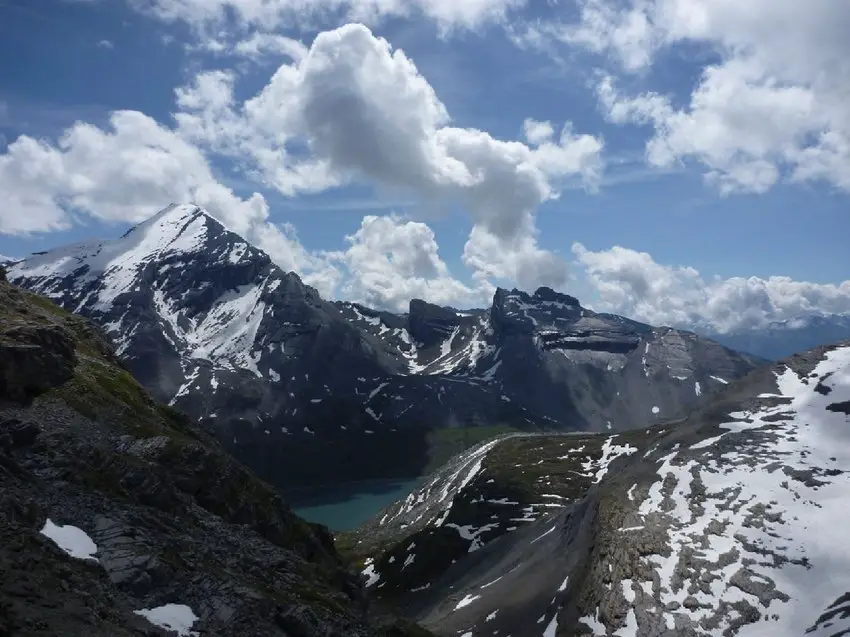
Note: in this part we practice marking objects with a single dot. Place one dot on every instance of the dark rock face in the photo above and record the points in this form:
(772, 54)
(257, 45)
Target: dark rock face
(90, 459)
(430, 324)
(33, 358)
(207, 323)
(701, 526)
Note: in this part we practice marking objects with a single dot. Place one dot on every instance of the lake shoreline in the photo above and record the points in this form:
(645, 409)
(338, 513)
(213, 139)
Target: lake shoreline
(343, 507)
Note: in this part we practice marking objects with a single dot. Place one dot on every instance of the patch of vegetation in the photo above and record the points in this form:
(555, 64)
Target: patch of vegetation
(46, 304)
(435, 550)
(447, 442)
(551, 464)
(317, 597)
(99, 390)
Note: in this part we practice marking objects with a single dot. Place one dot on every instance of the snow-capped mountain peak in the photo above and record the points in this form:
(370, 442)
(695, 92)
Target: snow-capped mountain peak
(178, 229)
(179, 283)
(209, 323)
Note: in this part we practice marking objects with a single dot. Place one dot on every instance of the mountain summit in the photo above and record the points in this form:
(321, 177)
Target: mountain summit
(208, 323)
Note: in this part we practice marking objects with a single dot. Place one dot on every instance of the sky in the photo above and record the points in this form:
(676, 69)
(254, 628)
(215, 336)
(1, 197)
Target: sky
(683, 162)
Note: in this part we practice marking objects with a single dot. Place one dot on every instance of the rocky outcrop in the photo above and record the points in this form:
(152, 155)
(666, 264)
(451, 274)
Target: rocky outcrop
(32, 360)
(113, 506)
(430, 324)
(33, 357)
(515, 311)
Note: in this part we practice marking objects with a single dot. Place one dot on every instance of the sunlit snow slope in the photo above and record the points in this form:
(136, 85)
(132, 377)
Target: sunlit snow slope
(729, 523)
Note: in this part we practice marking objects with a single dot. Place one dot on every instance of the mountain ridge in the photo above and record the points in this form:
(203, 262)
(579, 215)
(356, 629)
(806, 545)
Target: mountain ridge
(209, 324)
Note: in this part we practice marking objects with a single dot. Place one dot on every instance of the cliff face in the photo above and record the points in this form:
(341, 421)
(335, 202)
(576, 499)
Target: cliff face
(118, 515)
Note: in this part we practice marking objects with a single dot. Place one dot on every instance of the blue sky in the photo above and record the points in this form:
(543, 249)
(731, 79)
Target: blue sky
(78, 61)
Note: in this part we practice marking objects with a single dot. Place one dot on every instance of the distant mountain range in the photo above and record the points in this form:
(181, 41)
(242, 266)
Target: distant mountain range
(208, 323)
(784, 338)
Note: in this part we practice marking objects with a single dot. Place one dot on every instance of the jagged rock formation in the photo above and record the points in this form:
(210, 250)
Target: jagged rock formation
(119, 516)
(209, 324)
(728, 522)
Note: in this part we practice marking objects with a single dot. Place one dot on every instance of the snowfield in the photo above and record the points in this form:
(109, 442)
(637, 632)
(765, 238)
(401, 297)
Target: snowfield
(729, 523)
(764, 523)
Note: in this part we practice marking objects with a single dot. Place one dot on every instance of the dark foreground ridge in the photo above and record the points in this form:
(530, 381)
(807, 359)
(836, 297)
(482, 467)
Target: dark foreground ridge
(119, 517)
(730, 522)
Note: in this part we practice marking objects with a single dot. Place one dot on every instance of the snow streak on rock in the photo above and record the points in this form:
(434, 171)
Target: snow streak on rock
(435, 498)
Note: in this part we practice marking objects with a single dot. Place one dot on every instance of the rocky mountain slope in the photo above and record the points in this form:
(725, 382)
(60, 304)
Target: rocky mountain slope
(209, 324)
(120, 517)
(727, 522)
(784, 338)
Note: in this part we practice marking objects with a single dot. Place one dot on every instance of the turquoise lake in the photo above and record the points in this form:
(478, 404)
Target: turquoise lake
(343, 507)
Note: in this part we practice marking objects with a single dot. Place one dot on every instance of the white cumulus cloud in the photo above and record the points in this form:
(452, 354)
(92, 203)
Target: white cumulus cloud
(126, 173)
(632, 283)
(350, 108)
(772, 107)
(390, 261)
(365, 113)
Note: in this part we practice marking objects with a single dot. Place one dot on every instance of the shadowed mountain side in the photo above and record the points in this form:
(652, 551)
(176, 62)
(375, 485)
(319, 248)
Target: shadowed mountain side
(117, 511)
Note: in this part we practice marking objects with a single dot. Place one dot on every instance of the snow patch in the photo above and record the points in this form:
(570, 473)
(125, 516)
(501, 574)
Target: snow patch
(781, 506)
(71, 539)
(177, 618)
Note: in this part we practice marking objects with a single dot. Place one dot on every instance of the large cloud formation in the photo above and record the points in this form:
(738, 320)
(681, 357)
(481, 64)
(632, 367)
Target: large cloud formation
(772, 107)
(632, 283)
(349, 108)
(391, 261)
(127, 172)
(366, 113)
